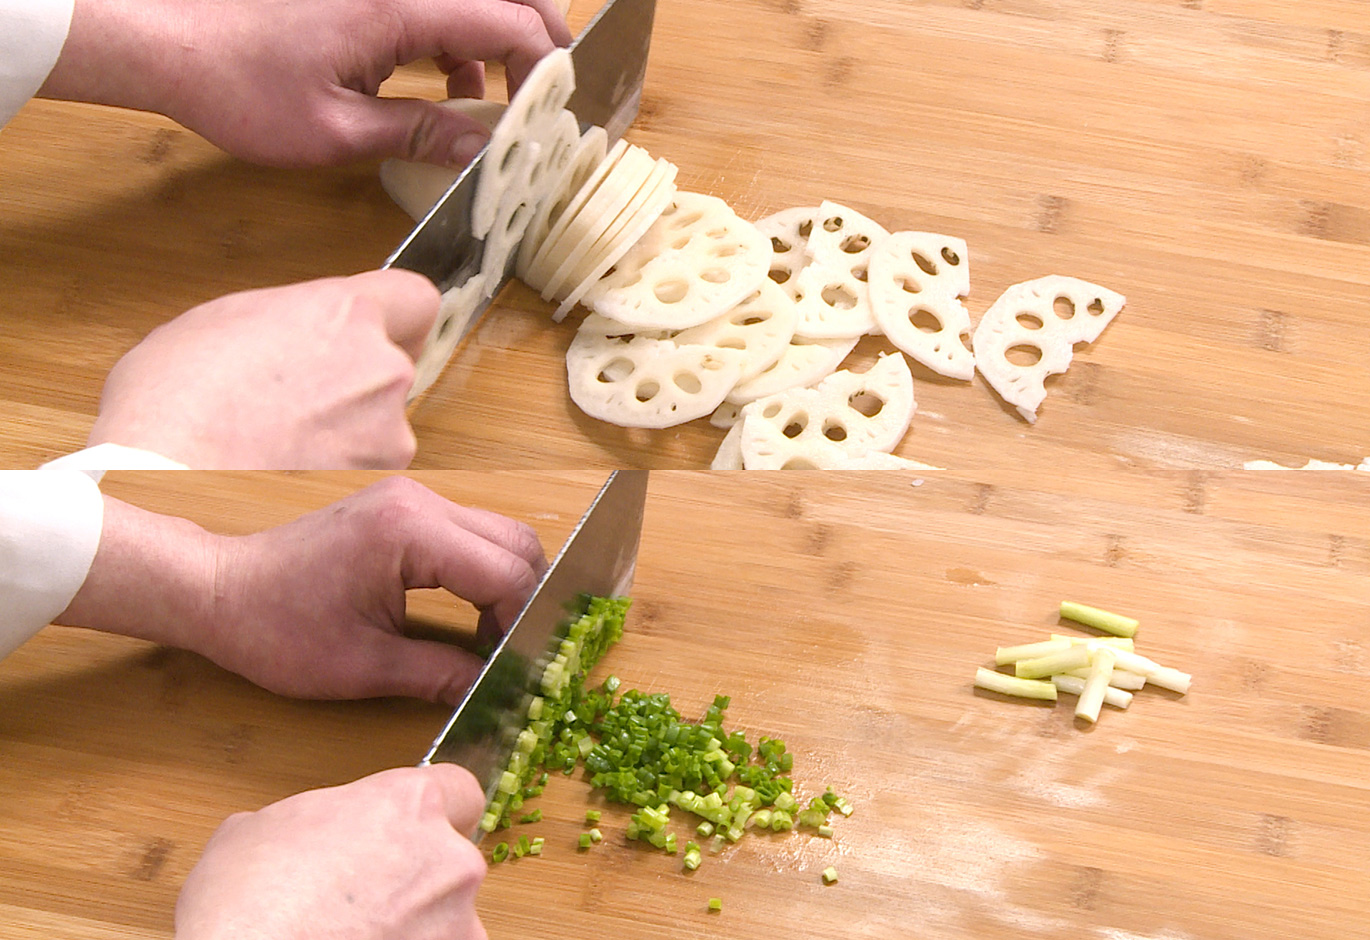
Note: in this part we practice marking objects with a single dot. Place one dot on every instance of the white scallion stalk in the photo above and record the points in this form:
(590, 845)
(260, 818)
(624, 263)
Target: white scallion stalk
(1122, 679)
(1092, 696)
(1005, 655)
(1116, 624)
(1117, 642)
(1073, 657)
(1012, 685)
(1074, 685)
(1155, 673)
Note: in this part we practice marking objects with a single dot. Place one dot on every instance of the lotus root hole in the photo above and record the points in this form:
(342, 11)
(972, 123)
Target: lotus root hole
(687, 220)
(750, 319)
(725, 251)
(771, 410)
(1029, 321)
(855, 244)
(779, 246)
(717, 233)
(910, 285)
(681, 242)
(447, 322)
(925, 263)
(1096, 307)
(508, 159)
(925, 320)
(838, 297)
(796, 426)
(805, 228)
(834, 431)
(671, 291)
(950, 257)
(867, 403)
(688, 383)
(1023, 355)
(616, 370)
(733, 342)
(780, 275)
(1063, 307)
(799, 463)
(646, 391)
(715, 275)
(859, 272)
(832, 223)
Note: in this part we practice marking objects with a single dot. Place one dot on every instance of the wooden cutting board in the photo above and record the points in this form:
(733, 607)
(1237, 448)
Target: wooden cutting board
(846, 615)
(1206, 158)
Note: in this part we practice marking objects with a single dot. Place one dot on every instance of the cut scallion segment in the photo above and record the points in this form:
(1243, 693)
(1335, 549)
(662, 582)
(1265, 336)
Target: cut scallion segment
(1074, 685)
(500, 853)
(1011, 685)
(715, 905)
(830, 875)
(1116, 624)
(1092, 695)
(1005, 655)
(1043, 667)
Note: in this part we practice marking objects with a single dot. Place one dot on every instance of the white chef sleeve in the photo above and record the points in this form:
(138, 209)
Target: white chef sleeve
(50, 522)
(102, 457)
(31, 36)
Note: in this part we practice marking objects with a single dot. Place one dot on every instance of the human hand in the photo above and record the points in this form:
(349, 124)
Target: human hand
(310, 376)
(294, 82)
(379, 859)
(314, 608)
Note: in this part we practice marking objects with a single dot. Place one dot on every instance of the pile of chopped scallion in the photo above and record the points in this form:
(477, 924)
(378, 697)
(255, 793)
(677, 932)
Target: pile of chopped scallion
(639, 751)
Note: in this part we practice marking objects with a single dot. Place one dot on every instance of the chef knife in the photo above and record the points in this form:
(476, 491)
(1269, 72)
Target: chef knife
(610, 60)
(597, 559)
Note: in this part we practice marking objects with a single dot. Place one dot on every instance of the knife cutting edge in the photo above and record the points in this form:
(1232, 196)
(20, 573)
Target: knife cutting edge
(597, 559)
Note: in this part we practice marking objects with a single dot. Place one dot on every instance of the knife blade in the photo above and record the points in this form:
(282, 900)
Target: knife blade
(610, 60)
(598, 558)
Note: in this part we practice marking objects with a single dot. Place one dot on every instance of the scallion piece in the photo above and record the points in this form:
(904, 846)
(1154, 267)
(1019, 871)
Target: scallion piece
(1012, 685)
(1116, 624)
(595, 835)
(825, 831)
(534, 816)
(500, 853)
(830, 876)
(715, 905)
(585, 840)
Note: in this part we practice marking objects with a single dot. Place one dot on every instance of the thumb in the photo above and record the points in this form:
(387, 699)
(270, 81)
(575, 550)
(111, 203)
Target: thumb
(411, 129)
(424, 669)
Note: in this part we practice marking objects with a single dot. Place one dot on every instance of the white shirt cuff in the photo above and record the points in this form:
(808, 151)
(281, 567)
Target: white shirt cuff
(50, 523)
(32, 33)
(94, 461)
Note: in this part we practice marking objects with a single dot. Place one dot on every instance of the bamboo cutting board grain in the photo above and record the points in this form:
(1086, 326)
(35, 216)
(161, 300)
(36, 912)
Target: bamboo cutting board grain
(846, 615)
(1210, 159)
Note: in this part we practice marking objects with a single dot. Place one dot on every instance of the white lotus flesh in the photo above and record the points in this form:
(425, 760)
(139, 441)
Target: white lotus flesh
(1030, 332)
(457, 309)
(587, 155)
(804, 362)
(789, 231)
(647, 383)
(696, 262)
(761, 327)
(846, 415)
(916, 280)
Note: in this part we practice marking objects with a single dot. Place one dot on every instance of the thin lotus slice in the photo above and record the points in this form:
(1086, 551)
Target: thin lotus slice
(647, 383)
(729, 453)
(789, 231)
(615, 192)
(846, 415)
(916, 280)
(697, 261)
(417, 187)
(646, 207)
(804, 362)
(830, 291)
(532, 117)
(587, 155)
(455, 316)
(761, 327)
(543, 265)
(1030, 332)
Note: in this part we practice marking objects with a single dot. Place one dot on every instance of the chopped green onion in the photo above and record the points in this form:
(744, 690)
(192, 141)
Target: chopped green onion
(534, 816)
(585, 840)
(500, 853)
(1116, 624)
(592, 816)
(829, 876)
(535, 847)
(715, 905)
(705, 829)
(595, 835)
(825, 831)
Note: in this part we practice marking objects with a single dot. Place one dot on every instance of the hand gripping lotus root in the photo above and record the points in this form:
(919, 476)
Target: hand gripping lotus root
(1042, 320)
